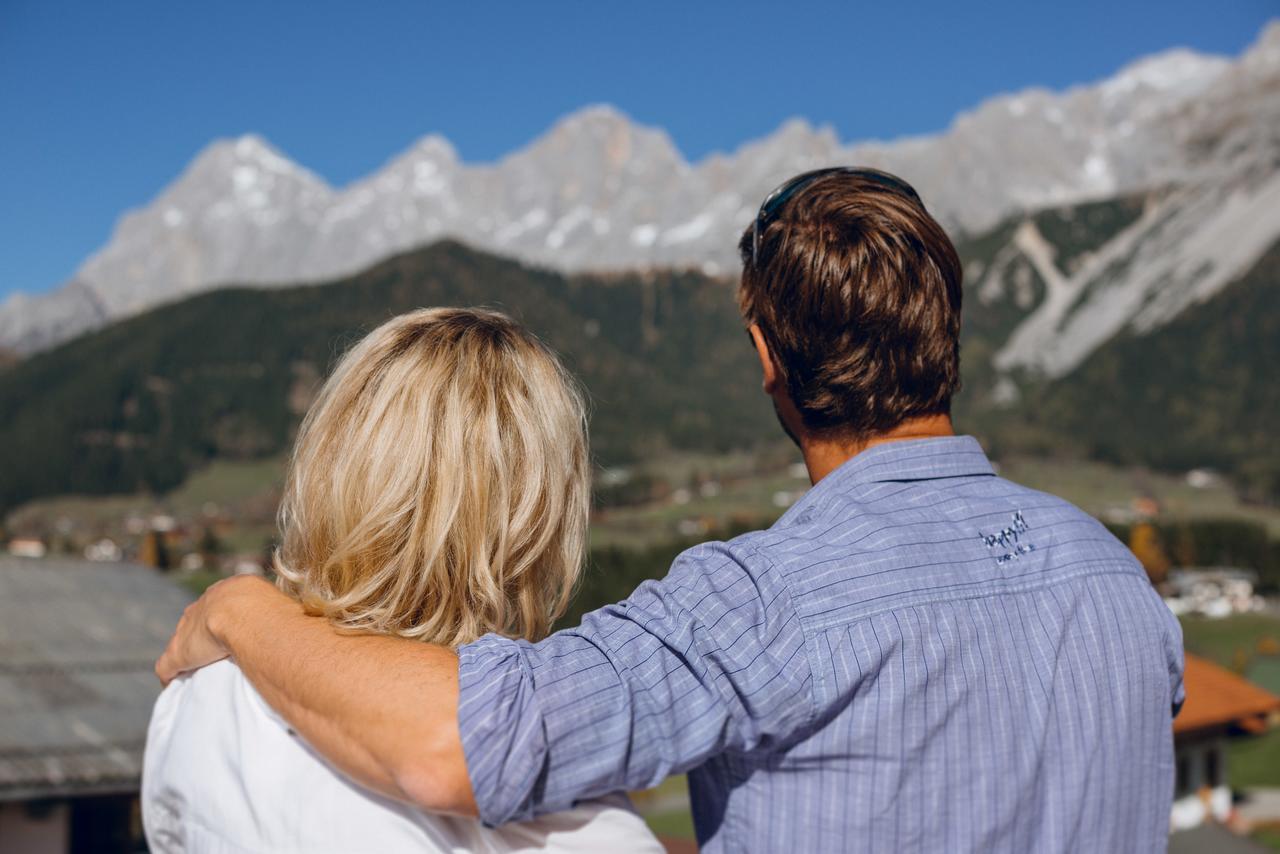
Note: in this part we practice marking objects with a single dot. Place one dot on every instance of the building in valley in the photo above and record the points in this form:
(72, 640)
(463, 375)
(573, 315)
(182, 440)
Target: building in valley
(1220, 706)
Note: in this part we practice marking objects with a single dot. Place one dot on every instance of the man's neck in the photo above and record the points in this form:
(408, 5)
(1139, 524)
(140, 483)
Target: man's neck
(823, 456)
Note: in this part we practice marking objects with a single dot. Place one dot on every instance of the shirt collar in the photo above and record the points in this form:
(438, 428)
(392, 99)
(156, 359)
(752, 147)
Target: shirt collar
(904, 460)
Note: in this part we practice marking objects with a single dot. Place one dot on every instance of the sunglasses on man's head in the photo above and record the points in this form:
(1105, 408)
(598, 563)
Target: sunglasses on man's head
(777, 200)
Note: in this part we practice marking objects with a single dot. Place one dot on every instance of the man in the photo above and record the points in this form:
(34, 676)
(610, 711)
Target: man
(918, 655)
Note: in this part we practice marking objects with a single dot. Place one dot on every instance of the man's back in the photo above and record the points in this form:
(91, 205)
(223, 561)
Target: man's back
(993, 669)
(918, 656)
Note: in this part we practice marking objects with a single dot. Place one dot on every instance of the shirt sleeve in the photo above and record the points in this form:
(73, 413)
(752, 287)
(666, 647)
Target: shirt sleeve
(1177, 664)
(710, 659)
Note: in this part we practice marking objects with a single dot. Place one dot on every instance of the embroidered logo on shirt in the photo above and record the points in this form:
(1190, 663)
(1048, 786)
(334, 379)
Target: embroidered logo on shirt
(1008, 541)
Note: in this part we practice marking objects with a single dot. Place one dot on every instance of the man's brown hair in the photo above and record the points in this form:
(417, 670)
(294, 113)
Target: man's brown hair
(856, 289)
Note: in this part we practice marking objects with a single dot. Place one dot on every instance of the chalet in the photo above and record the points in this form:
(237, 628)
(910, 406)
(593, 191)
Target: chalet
(78, 640)
(27, 547)
(1220, 706)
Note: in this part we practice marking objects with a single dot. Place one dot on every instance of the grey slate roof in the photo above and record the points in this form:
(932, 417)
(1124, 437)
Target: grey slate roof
(77, 644)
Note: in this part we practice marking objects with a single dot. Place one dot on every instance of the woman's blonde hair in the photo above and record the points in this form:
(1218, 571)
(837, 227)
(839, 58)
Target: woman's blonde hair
(439, 486)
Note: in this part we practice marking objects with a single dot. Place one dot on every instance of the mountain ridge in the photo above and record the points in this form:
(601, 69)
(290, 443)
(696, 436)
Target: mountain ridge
(144, 401)
(600, 192)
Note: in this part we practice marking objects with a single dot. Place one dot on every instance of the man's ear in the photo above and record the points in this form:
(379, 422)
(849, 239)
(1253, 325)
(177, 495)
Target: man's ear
(772, 376)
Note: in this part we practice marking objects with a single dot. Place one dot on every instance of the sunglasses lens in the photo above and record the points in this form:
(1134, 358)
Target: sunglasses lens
(775, 201)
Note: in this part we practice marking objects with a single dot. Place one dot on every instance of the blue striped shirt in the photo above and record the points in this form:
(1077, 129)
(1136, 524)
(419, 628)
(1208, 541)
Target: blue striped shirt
(918, 656)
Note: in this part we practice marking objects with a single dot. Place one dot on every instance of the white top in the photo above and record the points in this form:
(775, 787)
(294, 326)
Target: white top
(224, 774)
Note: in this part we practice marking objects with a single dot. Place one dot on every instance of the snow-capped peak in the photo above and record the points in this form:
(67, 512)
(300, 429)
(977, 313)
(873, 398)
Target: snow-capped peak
(248, 150)
(593, 118)
(252, 148)
(1180, 70)
(604, 127)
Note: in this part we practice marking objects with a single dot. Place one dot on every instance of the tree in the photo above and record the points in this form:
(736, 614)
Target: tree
(154, 551)
(1144, 542)
(209, 546)
(1184, 546)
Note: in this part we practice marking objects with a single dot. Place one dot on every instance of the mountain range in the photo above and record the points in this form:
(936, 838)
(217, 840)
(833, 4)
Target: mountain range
(145, 401)
(1196, 138)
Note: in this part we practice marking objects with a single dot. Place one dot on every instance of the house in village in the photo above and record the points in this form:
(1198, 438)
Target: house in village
(1220, 706)
(78, 641)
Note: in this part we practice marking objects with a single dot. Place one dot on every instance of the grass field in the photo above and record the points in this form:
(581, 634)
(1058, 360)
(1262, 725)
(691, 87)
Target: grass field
(1268, 836)
(226, 483)
(1255, 762)
(1231, 642)
(666, 808)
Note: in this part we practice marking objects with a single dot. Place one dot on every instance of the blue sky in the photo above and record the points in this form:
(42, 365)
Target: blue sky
(103, 103)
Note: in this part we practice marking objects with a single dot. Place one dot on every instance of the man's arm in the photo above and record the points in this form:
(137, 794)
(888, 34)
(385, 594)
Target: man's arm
(384, 710)
(711, 658)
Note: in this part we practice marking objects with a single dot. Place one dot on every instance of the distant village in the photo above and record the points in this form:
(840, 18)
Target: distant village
(197, 543)
(159, 541)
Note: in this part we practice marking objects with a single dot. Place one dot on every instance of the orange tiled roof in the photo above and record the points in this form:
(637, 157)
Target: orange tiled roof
(1216, 696)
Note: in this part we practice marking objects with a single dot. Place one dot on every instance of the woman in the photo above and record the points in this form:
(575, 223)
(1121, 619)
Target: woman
(438, 490)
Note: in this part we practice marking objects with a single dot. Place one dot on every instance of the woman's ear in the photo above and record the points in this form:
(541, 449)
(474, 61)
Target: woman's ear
(769, 368)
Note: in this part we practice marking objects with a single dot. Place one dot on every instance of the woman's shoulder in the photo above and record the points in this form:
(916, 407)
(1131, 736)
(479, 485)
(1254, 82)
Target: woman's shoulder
(194, 703)
(214, 751)
(188, 756)
(208, 683)
(221, 764)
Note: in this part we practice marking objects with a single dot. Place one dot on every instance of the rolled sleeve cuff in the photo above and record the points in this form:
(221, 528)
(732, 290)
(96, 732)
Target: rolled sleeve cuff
(503, 737)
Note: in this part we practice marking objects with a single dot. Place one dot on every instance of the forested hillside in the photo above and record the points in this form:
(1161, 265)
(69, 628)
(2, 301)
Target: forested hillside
(229, 373)
(1200, 391)
(141, 404)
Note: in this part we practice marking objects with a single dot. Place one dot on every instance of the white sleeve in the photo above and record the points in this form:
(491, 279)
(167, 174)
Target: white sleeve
(162, 803)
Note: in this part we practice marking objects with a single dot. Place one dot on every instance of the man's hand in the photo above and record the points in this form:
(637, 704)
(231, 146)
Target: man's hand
(196, 641)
